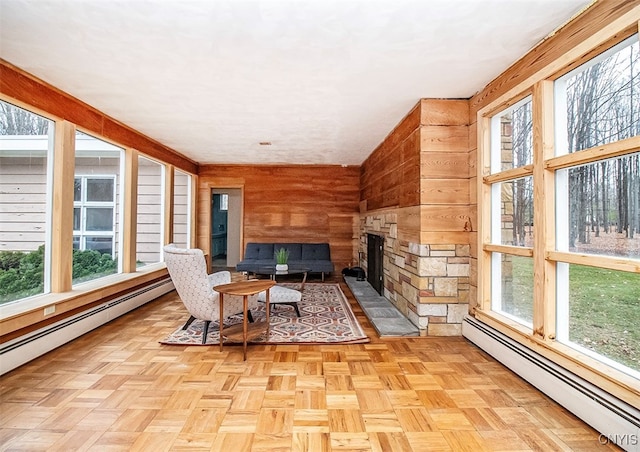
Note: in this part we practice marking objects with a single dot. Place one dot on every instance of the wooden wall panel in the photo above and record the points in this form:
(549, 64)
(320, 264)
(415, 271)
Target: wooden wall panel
(444, 191)
(390, 175)
(444, 112)
(290, 203)
(444, 218)
(445, 165)
(444, 138)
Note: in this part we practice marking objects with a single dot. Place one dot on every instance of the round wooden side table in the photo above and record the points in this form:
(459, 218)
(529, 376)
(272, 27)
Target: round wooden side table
(244, 330)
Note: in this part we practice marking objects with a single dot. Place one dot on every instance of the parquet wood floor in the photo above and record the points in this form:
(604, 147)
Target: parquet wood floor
(117, 388)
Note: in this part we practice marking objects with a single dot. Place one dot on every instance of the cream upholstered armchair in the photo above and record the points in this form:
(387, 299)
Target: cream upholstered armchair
(188, 271)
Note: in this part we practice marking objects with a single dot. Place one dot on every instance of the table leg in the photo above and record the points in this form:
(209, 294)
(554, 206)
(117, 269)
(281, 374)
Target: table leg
(304, 280)
(268, 311)
(220, 321)
(245, 302)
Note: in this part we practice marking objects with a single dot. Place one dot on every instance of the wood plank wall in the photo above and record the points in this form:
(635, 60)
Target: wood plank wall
(444, 171)
(289, 203)
(424, 163)
(390, 176)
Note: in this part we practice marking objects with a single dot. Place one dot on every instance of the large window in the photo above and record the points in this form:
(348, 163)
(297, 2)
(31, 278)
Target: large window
(598, 207)
(26, 153)
(512, 213)
(566, 269)
(29, 150)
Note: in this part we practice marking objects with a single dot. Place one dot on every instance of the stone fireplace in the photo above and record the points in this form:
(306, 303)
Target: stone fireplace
(415, 194)
(428, 283)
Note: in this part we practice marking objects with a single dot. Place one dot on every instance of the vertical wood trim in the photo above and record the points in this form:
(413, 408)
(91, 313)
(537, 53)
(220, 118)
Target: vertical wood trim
(193, 208)
(484, 211)
(544, 287)
(204, 226)
(129, 223)
(62, 207)
(169, 179)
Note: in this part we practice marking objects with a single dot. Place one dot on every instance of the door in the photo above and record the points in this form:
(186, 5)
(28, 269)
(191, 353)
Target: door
(226, 226)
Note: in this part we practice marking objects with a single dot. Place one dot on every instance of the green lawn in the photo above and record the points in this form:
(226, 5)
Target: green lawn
(604, 309)
(605, 312)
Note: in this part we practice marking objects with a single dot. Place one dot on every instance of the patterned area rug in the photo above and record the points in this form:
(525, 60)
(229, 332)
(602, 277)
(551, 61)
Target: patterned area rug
(325, 317)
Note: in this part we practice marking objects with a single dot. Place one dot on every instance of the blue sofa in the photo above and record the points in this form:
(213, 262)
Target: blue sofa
(315, 256)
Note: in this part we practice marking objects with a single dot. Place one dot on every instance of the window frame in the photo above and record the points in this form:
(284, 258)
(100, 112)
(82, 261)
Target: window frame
(542, 337)
(59, 288)
(83, 205)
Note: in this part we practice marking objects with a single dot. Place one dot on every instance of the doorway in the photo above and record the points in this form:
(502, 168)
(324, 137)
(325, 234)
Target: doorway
(226, 227)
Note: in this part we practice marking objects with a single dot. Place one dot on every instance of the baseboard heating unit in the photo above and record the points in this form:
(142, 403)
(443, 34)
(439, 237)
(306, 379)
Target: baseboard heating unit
(25, 348)
(615, 420)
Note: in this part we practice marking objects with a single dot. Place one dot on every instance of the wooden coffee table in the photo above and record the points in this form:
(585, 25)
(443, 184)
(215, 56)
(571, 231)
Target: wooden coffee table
(244, 330)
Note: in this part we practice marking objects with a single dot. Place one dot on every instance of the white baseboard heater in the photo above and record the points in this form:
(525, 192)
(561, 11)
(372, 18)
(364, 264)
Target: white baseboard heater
(25, 348)
(615, 420)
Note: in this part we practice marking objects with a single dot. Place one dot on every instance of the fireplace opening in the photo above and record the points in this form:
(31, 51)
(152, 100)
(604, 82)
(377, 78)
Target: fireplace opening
(375, 254)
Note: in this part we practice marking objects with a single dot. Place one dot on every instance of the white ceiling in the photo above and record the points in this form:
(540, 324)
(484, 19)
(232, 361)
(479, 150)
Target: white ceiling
(323, 80)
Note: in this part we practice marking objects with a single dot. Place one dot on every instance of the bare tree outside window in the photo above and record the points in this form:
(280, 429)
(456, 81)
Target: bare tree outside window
(16, 121)
(603, 106)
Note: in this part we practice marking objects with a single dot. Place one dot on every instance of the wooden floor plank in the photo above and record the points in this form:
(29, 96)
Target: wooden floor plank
(118, 388)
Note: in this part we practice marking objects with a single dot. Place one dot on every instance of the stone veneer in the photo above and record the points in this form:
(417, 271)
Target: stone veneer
(427, 283)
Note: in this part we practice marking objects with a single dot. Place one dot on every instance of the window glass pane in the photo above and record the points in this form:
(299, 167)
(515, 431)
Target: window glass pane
(602, 101)
(516, 213)
(100, 190)
(601, 213)
(77, 189)
(150, 208)
(26, 150)
(599, 312)
(512, 138)
(96, 199)
(102, 244)
(512, 291)
(99, 219)
(77, 218)
(181, 209)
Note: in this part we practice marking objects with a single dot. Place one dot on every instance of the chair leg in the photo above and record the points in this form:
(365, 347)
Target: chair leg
(295, 306)
(189, 322)
(205, 330)
(249, 317)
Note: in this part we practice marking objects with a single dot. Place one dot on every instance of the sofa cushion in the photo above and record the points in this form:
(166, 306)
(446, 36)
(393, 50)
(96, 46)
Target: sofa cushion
(316, 251)
(254, 264)
(260, 251)
(295, 250)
